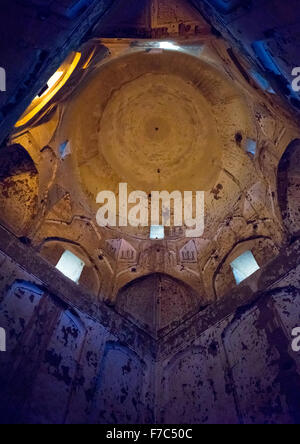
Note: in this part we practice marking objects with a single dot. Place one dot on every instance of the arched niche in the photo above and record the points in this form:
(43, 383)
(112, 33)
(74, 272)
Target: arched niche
(288, 185)
(53, 249)
(19, 185)
(158, 303)
(120, 395)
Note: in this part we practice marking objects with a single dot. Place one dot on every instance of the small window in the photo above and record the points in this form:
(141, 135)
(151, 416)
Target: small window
(51, 83)
(65, 149)
(244, 266)
(71, 266)
(168, 45)
(157, 232)
(251, 146)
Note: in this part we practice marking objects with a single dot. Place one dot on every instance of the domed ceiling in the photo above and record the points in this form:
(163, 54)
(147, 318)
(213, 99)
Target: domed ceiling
(155, 119)
(173, 110)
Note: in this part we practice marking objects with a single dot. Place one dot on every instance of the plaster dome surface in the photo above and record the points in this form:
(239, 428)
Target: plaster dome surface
(158, 133)
(155, 119)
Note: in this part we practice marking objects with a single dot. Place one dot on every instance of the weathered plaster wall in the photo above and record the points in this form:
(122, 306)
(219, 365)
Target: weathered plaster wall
(77, 363)
(62, 366)
(241, 370)
(158, 303)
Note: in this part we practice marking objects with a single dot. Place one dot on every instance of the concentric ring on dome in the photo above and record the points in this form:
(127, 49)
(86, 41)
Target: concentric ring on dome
(158, 121)
(157, 133)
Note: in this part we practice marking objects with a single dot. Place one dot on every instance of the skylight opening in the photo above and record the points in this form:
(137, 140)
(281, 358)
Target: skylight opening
(50, 84)
(157, 232)
(53, 80)
(169, 45)
(54, 84)
(244, 266)
(70, 266)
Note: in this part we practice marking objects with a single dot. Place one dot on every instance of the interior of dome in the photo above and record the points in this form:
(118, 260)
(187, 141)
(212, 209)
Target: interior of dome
(145, 323)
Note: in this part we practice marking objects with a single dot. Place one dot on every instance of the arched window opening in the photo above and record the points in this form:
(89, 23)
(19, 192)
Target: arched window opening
(73, 262)
(52, 87)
